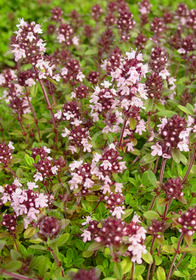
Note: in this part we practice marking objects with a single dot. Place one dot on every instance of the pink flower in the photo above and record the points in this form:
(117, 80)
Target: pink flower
(140, 127)
(157, 150)
(118, 211)
(86, 235)
(118, 187)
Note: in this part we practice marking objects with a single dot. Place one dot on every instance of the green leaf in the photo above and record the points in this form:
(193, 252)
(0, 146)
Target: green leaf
(139, 269)
(189, 250)
(127, 213)
(168, 249)
(158, 260)
(2, 244)
(176, 155)
(148, 158)
(161, 273)
(117, 270)
(29, 160)
(29, 232)
(149, 104)
(180, 274)
(61, 240)
(132, 123)
(15, 255)
(186, 110)
(38, 247)
(87, 254)
(13, 266)
(33, 90)
(95, 246)
(147, 258)
(91, 198)
(166, 113)
(110, 278)
(149, 178)
(43, 264)
(126, 265)
(150, 215)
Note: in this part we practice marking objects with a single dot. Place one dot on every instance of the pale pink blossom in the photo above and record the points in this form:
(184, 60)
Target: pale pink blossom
(118, 187)
(157, 150)
(88, 183)
(86, 145)
(41, 201)
(118, 212)
(38, 177)
(105, 188)
(140, 127)
(75, 41)
(106, 165)
(88, 219)
(183, 146)
(130, 147)
(80, 76)
(31, 185)
(75, 164)
(86, 235)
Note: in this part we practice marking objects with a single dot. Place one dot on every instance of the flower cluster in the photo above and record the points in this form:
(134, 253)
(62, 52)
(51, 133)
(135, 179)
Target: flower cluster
(116, 232)
(82, 176)
(173, 134)
(107, 164)
(25, 202)
(48, 226)
(83, 274)
(115, 202)
(46, 166)
(9, 222)
(173, 188)
(157, 228)
(6, 153)
(30, 48)
(188, 221)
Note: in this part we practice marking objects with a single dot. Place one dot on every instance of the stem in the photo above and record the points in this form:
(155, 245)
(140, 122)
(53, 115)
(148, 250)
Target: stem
(12, 171)
(33, 112)
(156, 165)
(23, 130)
(14, 238)
(175, 256)
(179, 262)
(15, 275)
(56, 260)
(49, 108)
(154, 264)
(153, 201)
(122, 132)
(190, 164)
(166, 209)
(162, 170)
(151, 251)
(132, 270)
(148, 122)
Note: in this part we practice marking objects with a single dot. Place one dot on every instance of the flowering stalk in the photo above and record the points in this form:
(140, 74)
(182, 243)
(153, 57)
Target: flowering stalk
(132, 271)
(190, 164)
(24, 133)
(12, 171)
(49, 108)
(175, 256)
(57, 261)
(15, 275)
(33, 112)
(122, 131)
(151, 251)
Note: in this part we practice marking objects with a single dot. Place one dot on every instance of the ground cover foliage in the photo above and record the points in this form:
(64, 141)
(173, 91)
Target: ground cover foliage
(97, 150)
